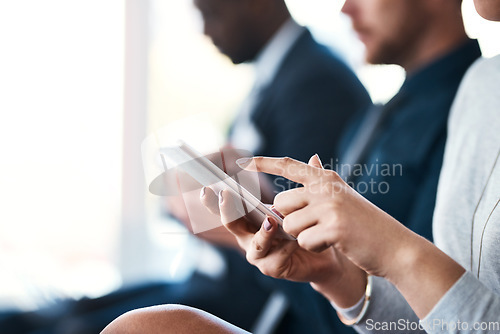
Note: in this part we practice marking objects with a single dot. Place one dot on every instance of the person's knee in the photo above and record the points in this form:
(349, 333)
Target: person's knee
(144, 319)
(168, 319)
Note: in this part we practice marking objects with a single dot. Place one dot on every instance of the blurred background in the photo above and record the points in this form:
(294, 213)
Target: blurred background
(82, 84)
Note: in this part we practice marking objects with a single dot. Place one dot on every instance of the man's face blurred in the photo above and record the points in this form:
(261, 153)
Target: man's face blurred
(229, 24)
(388, 28)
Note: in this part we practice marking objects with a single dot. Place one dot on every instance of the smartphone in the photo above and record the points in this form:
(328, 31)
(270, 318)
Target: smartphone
(190, 161)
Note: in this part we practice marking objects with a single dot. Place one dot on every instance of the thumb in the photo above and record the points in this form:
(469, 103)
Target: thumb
(315, 161)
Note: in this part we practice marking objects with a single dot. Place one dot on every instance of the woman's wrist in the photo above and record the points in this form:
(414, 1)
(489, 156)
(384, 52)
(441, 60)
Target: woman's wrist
(346, 289)
(423, 273)
(407, 256)
(355, 314)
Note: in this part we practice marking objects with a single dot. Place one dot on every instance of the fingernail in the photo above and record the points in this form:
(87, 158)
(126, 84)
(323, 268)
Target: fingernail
(267, 225)
(202, 193)
(317, 157)
(243, 162)
(221, 199)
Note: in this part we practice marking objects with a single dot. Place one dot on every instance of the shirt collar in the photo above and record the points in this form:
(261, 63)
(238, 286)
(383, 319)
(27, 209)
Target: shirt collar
(450, 67)
(270, 58)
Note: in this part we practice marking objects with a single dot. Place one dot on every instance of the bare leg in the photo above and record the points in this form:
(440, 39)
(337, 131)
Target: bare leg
(166, 319)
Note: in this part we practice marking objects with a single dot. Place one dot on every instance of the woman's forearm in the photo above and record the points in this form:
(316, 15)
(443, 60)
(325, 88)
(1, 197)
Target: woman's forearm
(422, 273)
(419, 270)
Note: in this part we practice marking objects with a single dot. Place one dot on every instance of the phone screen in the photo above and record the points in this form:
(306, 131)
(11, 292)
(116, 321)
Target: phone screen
(187, 159)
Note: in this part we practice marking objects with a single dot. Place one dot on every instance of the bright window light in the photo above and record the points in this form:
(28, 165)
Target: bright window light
(61, 84)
